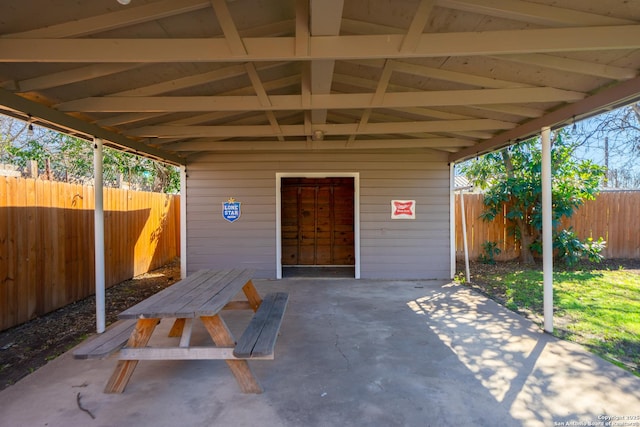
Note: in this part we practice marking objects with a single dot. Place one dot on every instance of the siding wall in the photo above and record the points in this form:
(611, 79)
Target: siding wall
(389, 249)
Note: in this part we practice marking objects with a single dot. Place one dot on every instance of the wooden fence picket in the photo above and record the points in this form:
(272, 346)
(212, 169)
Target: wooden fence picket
(614, 215)
(47, 242)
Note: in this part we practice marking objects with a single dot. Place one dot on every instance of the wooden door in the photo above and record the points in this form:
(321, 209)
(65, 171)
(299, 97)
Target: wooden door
(317, 221)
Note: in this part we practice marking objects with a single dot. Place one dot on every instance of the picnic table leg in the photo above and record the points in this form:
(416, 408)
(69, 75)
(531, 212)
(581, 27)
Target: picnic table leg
(176, 329)
(124, 369)
(252, 295)
(222, 337)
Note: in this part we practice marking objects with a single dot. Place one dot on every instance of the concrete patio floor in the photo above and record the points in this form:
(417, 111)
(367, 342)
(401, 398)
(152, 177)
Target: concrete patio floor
(353, 353)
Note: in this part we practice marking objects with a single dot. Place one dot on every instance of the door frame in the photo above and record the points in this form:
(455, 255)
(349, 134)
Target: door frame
(356, 212)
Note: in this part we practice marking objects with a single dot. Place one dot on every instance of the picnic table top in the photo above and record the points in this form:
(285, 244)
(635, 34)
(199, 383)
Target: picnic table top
(203, 293)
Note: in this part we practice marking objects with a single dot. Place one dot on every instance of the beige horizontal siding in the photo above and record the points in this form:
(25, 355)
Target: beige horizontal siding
(401, 249)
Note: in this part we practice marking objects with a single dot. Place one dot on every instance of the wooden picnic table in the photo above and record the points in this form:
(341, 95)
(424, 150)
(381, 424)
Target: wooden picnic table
(201, 296)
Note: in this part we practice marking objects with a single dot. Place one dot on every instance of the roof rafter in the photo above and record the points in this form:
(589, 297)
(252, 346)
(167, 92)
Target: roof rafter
(325, 19)
(322, 47)
(330, 101)
(435, 143)
(328, 129)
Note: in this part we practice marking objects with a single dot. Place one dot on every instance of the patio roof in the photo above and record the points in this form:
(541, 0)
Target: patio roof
(173, 78)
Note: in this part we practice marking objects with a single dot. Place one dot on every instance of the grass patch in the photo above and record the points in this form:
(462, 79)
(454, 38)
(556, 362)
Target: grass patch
(599, 309)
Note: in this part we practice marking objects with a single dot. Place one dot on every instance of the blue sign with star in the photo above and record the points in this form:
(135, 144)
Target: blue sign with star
(231, 210)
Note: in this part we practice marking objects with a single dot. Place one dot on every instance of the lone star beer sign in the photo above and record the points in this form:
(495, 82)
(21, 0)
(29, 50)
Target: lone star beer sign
(231, 210)
(403, 209)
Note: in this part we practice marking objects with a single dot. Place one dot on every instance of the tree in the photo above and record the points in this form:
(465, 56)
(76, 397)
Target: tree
(612, 139)
(70, 159)
(512, 178)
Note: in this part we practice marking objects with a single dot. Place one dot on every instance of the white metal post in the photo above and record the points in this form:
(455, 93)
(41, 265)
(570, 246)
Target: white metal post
(463, 217)
(99, 235)
(452, 219)
(183, 221)
(547, 232)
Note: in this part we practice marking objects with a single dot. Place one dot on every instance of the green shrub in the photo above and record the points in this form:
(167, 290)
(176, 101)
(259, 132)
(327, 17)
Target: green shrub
(490, 250)
(571, 250)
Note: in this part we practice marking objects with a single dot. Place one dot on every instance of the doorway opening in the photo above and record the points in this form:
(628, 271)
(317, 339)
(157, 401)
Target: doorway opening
(317, 227)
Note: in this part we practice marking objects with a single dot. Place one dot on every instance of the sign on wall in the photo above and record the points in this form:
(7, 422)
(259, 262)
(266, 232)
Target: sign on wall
(403, 209)
(231, 210)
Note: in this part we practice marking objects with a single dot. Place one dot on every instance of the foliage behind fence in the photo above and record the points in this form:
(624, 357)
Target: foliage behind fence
(614, 215)
(47, 242)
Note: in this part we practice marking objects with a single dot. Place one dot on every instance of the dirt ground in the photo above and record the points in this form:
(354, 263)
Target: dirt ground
(27, 347)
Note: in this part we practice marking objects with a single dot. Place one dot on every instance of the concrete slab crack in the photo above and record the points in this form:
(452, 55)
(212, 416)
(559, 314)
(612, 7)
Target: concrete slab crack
(342, 353)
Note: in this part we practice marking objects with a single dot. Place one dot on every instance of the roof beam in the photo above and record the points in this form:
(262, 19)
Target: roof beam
(324, 20)
(436, 143)
(321, 47)
(68, 122)
(328, 129)
(331, 101)
(613, 97)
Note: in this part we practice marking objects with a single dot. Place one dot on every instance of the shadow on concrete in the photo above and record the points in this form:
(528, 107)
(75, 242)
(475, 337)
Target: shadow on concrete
(352, 353)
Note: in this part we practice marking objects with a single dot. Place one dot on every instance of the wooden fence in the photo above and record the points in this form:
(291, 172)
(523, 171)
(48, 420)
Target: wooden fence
(47, 242)
(613, 215)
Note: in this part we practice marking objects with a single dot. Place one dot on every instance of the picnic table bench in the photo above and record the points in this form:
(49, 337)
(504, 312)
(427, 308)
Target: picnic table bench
(202, 296)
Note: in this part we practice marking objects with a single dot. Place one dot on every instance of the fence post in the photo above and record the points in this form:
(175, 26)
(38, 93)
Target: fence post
(33, 169)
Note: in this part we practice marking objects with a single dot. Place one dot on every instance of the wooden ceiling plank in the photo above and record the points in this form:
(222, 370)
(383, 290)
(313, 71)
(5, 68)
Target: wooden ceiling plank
(329, 101)
(454, 76)
(121, 18)
(353, 26)
(322, 47)
(201, 118)
(133, 117)
(75, 75)
(571, 65)
(124, 119)
(185, 82)
(534, 13)
(433, 114)
(514, 110)
(416, 28)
